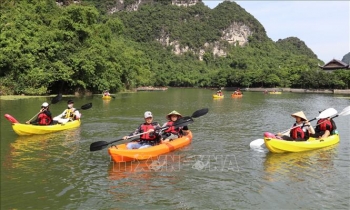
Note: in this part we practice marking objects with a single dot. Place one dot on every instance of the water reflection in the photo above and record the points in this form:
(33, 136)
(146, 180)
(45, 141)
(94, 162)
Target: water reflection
(141, 169)
(299, 166)
(26, 152)
(147, 177)
(106, 102)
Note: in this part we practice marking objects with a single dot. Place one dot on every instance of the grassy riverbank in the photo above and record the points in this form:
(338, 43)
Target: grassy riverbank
(16, 97)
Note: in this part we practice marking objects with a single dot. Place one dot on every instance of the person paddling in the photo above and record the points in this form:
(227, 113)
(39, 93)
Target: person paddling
(301, 129)
(44, 117)
(150, 136)
(324, 128)
(106, 93)
(68, 114)
(172, 132)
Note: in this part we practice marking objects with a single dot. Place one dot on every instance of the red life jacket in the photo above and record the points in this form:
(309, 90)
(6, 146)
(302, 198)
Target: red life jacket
(147, 136)
(323, 125)
(44, 119)
(172, 128)
(297, 133)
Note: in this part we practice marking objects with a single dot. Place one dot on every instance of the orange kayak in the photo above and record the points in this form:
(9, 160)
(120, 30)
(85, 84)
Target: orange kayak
(119, 153)
(236, 95)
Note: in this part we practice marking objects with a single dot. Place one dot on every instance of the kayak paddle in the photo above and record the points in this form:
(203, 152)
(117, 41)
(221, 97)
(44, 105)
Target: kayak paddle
(99, 145)
(85, 106)
(200, 113)
(183, 121)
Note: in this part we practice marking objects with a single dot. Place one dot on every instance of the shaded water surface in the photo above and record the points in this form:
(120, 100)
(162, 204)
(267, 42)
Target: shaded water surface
(217, 171)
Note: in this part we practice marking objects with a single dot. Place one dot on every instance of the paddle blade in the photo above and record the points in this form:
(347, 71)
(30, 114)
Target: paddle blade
(86, 106)
(327, 113)
(103, 144)
(10, 118)
(345, 111)
(56, 99)
(200, 113)
(98, 145)
(256, 144)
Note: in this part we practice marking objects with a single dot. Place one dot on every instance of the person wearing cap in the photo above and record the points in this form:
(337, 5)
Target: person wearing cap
(44, 117)
(301, 130)
(69, 114)
(148, 131)
(172, 132)
(324, 128)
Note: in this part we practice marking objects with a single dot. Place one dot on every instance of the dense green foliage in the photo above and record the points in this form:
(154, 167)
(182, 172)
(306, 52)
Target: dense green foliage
(47, 48)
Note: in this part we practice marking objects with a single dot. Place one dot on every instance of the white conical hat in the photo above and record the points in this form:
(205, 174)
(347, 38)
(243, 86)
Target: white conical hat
(300, 114)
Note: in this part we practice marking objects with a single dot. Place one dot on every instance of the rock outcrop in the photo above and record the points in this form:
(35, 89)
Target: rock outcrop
(236, 34)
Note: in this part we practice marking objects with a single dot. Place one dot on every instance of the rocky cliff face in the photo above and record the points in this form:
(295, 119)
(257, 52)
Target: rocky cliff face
(120, 5)
(236, 34)
(185, 3)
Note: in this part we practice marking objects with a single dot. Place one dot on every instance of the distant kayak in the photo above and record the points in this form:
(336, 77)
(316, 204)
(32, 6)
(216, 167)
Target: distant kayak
(217, 96)
(28, 129)
(275, 92)
(236, 95)
(106, 97)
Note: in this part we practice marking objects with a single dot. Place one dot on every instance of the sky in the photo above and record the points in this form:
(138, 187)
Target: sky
(323, 25)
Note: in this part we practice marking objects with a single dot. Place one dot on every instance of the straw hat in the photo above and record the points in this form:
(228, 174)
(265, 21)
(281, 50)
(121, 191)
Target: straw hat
(173, 113)
(300, 114)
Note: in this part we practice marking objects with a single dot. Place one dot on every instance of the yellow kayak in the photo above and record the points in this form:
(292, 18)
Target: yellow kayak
(28, 129)
(275, 92)
(282, 146)
(106, 97)
(217, 96)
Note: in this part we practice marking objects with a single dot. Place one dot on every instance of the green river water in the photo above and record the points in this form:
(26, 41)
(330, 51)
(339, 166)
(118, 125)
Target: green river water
(218, 170)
